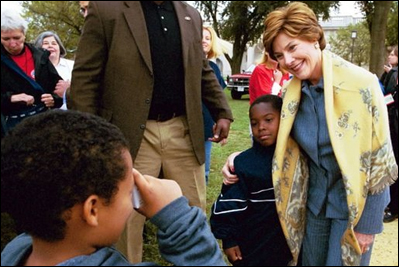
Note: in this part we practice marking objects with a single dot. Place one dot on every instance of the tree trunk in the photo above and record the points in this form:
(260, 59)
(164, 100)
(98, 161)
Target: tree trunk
(238, 52)
(378, 33)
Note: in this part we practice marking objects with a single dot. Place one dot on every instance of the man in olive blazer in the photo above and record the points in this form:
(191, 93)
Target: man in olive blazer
(113, 77)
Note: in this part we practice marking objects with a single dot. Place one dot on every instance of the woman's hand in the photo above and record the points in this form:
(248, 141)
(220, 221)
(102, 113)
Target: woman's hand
(28, 99)
(61, 87)
(155, 193)
(387, 68)
(365, 241)
(228, 170)
(48, 100)
(277, 76)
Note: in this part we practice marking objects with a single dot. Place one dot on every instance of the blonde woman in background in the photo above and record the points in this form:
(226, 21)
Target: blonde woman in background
(213, 47)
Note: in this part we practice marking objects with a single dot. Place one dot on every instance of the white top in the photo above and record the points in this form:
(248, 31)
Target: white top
(64, 69)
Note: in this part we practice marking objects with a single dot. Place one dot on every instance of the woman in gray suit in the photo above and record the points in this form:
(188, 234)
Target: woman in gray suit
(333, 213)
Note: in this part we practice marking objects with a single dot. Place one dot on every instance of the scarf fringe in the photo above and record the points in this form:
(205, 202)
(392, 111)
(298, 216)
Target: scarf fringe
(385, 182)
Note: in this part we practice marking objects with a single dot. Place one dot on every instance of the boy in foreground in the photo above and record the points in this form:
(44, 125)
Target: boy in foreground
(67, 179)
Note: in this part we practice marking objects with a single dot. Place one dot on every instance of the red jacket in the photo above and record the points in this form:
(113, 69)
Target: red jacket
(261, 82)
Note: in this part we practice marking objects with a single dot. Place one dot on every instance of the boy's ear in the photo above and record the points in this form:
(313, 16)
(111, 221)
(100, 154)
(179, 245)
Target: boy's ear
(91, 209)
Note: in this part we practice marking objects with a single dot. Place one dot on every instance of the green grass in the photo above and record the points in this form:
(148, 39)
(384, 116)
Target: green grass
(238, 140)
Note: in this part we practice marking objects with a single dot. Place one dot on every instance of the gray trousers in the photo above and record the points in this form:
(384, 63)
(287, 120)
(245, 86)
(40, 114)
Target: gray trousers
(322, 242)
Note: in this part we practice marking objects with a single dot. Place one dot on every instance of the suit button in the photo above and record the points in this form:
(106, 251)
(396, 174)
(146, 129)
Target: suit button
(142, 126)
(148, 101)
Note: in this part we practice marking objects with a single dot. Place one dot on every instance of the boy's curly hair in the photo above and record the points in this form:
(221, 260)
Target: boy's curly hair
(54, 160)
(275, 101)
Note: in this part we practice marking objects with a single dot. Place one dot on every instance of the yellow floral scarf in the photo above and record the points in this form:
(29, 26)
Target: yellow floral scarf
(358, 127)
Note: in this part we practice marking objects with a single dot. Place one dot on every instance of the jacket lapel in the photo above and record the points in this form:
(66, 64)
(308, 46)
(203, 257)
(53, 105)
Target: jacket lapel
(136, 21)
(185, 20)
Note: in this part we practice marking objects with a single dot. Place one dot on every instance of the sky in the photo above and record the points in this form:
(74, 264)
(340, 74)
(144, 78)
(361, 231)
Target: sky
(346, 7)
(12, 4)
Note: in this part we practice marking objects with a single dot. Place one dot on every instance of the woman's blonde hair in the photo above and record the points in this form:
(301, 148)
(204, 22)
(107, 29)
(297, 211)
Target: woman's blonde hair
(296, 20)
(265, 60)
(218, 46)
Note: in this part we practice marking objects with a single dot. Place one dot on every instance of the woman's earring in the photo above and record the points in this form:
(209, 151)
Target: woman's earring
(316, 46)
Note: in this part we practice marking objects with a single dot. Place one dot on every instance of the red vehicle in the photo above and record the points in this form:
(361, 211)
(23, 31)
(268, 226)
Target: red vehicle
(239, 83)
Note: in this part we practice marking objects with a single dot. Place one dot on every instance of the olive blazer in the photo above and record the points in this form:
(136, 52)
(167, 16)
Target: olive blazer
(113, 74)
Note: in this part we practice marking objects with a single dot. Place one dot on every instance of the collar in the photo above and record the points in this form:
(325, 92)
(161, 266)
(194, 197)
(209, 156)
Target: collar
(319, 87)
(265, 149)
(166, 5)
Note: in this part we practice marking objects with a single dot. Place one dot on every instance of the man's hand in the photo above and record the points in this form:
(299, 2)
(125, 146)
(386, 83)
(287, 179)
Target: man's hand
(220, 130)
(156, 193)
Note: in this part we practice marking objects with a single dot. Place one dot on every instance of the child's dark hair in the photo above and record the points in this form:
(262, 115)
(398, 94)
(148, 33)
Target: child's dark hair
(54, 160)
(276, 101)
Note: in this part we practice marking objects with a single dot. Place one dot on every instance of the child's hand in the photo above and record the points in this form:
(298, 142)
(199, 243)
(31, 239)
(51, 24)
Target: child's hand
(156, 193)
(233, 254)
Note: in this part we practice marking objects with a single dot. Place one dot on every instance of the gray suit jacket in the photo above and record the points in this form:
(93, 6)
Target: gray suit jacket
(113, 74)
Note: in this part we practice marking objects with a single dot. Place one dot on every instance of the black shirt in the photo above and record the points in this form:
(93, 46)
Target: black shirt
(167, 60)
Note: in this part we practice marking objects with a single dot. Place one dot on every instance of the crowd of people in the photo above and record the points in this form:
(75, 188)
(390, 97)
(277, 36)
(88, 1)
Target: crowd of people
(133, 110)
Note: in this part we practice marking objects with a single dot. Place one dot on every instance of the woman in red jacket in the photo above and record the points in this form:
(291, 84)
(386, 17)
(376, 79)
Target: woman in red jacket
(266, 79)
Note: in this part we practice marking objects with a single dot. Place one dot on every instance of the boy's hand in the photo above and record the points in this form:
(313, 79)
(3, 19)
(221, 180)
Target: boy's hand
(233, 254)
(156, 193)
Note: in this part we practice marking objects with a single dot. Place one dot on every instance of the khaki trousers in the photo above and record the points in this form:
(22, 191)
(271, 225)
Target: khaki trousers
(165, 146)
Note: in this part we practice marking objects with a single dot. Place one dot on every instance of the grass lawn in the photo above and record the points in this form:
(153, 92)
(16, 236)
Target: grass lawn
(238, 140)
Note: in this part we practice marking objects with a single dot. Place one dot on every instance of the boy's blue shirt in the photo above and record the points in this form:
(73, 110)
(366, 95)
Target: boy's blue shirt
(184, 238)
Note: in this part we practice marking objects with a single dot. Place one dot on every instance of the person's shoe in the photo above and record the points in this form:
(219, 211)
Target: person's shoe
(389, 217)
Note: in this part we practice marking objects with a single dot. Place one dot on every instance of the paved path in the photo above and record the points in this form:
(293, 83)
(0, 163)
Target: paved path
(385, 252)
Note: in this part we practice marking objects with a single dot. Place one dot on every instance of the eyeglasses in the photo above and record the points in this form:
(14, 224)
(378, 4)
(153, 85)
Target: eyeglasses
(82, 11)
